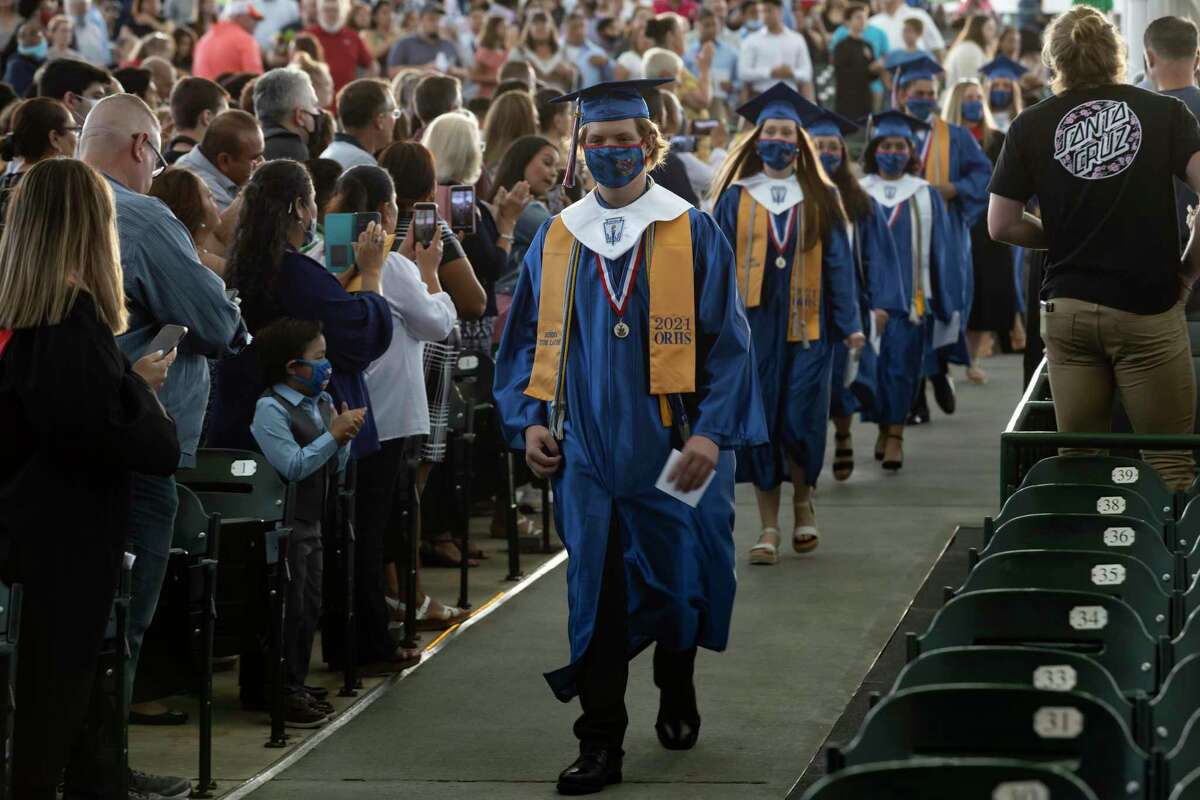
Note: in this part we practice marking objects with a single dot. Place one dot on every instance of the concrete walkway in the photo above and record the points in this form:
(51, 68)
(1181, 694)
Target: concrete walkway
(479, 721)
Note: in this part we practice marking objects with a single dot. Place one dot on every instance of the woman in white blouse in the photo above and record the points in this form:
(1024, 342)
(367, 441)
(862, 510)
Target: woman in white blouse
(540, 48)
(971, 50)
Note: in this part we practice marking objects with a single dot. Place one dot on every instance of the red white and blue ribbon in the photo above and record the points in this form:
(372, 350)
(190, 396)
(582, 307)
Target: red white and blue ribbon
(620, 302)
(781, 241)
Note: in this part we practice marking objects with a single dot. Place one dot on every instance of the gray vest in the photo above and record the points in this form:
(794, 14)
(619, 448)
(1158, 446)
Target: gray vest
(310, 492)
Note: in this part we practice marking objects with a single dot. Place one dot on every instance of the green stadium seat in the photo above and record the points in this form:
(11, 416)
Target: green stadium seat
(951, 779)
(1187, 530)
(1031, 667)
(986, 720)
(1119, 534)
(1129, 473)
(1188, 788)
(1177, 702)
(1078, 498)
(1096, 625)
(1115, 574)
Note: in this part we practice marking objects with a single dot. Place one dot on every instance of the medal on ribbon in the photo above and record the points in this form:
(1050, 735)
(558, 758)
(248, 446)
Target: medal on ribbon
(619, 302)
(778, 240)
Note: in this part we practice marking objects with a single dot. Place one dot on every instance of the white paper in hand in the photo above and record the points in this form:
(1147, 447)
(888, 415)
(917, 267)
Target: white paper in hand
(692, 498)
(946, 333)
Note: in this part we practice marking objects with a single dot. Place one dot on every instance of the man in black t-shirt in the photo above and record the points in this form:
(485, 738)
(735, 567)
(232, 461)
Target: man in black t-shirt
(1101, 163)
(855, 65)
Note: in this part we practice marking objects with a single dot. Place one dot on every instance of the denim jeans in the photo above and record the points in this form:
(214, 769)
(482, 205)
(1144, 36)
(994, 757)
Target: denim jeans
(151, 528)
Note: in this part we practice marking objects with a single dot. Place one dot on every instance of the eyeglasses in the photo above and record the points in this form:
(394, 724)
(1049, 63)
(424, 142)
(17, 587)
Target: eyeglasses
(160, 163)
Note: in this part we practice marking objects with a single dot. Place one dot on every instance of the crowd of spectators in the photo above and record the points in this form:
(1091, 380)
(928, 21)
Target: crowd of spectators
(173, 163)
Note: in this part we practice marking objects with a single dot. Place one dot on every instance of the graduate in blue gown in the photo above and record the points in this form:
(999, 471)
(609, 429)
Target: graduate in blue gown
(573, 386)
(953, 162)
(930, 272)
(877, 282)
(796, 276)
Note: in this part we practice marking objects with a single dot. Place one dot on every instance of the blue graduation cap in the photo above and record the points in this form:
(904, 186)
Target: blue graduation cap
(897, 57)
(893, 123)
(1003, 67)
(827, 123)
(779, 102)
(915, 69)
(608, 101)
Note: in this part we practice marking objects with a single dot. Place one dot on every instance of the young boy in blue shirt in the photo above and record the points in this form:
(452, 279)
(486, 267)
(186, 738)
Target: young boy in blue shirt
(300, 434)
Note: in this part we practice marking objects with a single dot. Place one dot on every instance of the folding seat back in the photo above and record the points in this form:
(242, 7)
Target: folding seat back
(1187, 530)
(192, 524)
(985, 720)
(1115, 574)
(1105, 470)
(1030, 667)
(1096, 625)
(1188, 788)
(237, 484)
(1177, 702)
(950, 779)
(1078, 498)
(1105, 534)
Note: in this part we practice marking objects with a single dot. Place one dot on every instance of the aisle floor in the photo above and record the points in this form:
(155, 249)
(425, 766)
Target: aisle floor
(479, 722)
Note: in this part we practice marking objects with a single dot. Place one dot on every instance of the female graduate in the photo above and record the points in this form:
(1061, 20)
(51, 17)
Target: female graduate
(626, 340)
(796, 277)
(1002, 82)
(929, 269)
(877, 281)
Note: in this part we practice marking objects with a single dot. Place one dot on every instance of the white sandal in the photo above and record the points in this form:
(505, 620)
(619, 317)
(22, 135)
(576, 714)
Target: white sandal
(765, 552)
(809, 533)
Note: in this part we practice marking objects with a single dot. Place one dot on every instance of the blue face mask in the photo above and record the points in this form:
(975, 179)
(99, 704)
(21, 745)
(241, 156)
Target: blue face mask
(322, 371)
(775, 153)
(972, 110)
(37, 52)
(891, 165)
(1000, 98)
(615, 167)
(753, 24)
(830, 161)
(921, 107)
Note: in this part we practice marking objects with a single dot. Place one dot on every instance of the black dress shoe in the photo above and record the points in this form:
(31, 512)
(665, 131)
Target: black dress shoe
(919, 414)
(678, 724)
(943, 392)
(590, 773)
(166, 718)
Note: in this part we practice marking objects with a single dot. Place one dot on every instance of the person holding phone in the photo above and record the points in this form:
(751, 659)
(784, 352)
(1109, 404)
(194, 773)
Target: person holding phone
(632, 269)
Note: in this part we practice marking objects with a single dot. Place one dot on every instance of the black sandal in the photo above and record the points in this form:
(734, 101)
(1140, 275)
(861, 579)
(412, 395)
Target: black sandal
(879, 446)
(888, 464)
(843, 458)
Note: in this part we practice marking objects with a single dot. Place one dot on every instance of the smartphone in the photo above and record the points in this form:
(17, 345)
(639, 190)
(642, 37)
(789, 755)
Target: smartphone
(704, 127)
(341, 232)
(424, 222)
(166, 340)
(462, 208)
(683, 144)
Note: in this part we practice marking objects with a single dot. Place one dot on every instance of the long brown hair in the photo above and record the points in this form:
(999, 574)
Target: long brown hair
(511, 116)
(972, 31)
(855, 200)
(822, 206)
(60, 238)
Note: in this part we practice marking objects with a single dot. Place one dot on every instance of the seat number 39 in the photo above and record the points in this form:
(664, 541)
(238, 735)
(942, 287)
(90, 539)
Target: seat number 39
(1125, 475)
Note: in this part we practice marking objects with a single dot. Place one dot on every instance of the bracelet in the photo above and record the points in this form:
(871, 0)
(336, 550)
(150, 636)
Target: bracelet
(508, 237)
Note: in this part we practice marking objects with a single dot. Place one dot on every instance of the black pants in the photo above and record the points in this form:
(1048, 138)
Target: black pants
(303, 610)
(63, 717)
(374, 494)
(604, 669)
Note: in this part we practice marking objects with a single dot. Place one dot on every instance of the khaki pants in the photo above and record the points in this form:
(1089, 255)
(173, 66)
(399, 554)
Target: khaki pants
(1095, 351)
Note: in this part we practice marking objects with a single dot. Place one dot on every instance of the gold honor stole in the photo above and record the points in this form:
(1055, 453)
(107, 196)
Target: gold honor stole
(804, 316)
(936, 157)
(672, 311)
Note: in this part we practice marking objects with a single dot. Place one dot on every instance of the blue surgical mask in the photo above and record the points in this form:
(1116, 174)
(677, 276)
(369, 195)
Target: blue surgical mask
(37, 52)
(972, 110)
(891, 164)
(1000, 98)
(615, 167)
(775, 153)
(921, 107)
(831, 162)
(322, 371)
(310, 233)
(753, 24)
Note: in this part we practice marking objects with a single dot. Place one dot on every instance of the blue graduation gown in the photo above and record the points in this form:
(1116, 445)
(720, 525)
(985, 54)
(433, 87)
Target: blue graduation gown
(970, 172)
(905, 343)
(794, 376)
(878, 282)
(679, 561)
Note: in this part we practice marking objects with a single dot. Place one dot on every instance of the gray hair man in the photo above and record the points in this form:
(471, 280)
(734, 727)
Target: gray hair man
(165, 283)
(287, 107)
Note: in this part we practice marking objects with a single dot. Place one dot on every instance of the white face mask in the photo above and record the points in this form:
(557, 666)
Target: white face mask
(329, 28)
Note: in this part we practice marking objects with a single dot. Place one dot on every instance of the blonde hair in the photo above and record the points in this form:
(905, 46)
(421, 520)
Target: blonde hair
(952, 109)
(60, 238)
(822, 206)
(453, 139)
(658, 62)
(1083, 50)
(648, 133)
